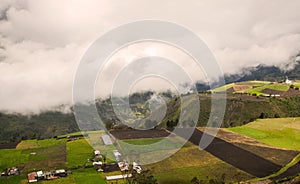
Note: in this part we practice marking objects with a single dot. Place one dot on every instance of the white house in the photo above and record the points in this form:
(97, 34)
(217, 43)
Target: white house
(287, 81)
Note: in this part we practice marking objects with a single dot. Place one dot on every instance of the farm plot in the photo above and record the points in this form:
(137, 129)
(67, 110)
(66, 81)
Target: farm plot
(50, 157)
(35, 154)
(78, 153)
(275, 155)
(191, 162)
(279, 132)
(149, 148)
(137, 134)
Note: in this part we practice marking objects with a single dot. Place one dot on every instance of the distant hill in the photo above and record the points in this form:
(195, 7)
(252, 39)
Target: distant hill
(261, 88)
(260, 73)
(265, 73)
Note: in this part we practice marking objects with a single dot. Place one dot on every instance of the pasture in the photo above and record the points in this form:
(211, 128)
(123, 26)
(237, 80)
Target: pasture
(279, 132)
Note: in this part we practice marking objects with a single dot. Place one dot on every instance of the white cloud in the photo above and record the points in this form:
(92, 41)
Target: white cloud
(42, 41)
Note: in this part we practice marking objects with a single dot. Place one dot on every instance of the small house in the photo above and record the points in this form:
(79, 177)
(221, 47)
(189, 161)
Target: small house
(60, 173)
(32, 177)
(97, 152)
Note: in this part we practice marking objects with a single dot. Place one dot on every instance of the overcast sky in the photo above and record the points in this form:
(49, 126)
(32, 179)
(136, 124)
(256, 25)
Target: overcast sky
(42, 41)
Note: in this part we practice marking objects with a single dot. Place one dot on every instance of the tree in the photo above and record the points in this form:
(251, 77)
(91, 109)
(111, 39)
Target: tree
(145, 177)
(195, 180)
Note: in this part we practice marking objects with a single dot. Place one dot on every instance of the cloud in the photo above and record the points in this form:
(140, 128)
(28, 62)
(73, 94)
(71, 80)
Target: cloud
(41, 42)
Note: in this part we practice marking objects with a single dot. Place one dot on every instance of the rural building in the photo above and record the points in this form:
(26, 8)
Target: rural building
(117, 155)
(48, 175)
(60, 173)
(287, 81)
(118, 177)
(32, 177)
(14, 171)
(124, 166)
(97, 163)
(97, 152)
(106, 140)
(137, 167)
(110, 167)
(40, 174)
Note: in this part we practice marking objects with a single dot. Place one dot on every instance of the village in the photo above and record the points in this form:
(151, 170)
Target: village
(98, 163)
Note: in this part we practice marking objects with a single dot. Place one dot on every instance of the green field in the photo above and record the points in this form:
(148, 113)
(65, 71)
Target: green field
(78, 152)
(257, 87)
(181, 167)
(39, 143)
(167, 144)
(86, 176)
(12, 157)
(276, 87)
(34, 154)
(222, 88)
(279, 132)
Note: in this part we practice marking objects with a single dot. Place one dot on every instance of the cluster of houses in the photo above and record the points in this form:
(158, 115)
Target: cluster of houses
(48, 175)
(120, 165)
(13, 171)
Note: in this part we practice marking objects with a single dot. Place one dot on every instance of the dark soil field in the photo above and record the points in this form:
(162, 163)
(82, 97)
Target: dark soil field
(255, 160)
(292, 171)
(138, 134)
(289, 93)
(10, 145)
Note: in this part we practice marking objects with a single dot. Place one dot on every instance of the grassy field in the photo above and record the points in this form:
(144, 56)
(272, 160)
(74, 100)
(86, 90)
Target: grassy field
(167, 144)
(14, 180)
(279, 132)
(181, 167)
(35, 155)
(78, 152)
(257, 87)
(222, 88)
(12, 157)
(145, 141)
(86, 176)
(27, 144)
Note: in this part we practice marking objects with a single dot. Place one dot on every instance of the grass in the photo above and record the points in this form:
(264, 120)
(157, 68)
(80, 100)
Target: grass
(149, 143)
(276, 87)
(28, 144)
(222, 88)
(279, 132)
(145, 141)
(95, 140)
(86, 176)
(78, 152)
(257, 87)
(43, 157)
(12, 157)
(297, 85)
(52, 157)
(14, 180)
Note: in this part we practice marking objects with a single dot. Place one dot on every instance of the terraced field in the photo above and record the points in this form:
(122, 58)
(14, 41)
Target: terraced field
(279, 132)
(260, 88)
(264, 149)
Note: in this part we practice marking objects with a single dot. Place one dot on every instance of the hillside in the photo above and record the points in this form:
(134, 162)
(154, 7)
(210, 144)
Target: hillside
(261, 88)
(240, 110)
(207, 165)
(267, 73)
